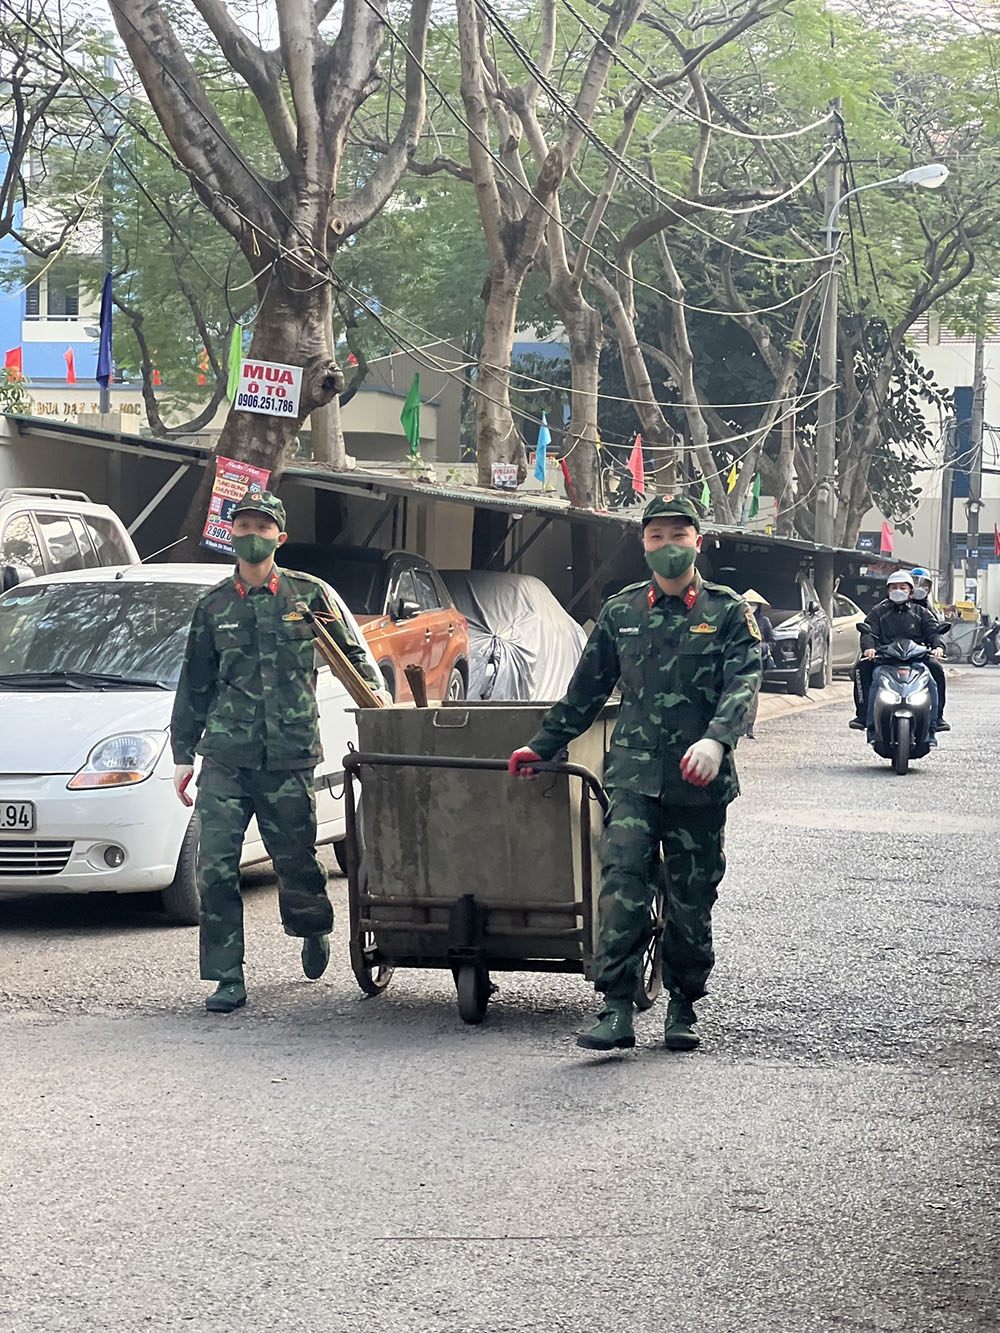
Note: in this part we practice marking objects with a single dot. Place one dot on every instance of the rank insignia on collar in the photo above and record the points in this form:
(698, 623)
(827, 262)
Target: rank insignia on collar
(704, 628)
(652, 592)
(690, 597)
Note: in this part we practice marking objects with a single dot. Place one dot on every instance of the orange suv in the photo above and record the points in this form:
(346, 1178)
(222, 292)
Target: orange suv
(404, 610)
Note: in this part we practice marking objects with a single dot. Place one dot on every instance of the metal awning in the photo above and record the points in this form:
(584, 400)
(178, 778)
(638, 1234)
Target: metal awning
(377, 482)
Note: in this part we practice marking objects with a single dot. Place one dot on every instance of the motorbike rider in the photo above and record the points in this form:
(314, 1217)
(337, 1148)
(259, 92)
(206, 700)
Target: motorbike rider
(922, 587)
(897, 617)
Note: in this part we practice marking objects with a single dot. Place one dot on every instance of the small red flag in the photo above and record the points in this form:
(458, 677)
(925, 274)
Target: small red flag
(885, 546)
(566, 478)
(70, 366)
(996, 541)
(13, 364)
(635, 467)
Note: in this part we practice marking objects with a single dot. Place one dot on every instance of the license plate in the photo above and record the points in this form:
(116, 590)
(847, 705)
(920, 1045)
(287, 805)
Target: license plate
(17, 816)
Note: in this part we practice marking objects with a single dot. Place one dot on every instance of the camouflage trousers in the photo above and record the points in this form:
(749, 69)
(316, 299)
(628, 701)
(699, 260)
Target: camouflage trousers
(285, 805)
(692, 839)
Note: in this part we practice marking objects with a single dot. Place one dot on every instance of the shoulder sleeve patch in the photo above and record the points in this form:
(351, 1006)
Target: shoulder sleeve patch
(752, 625)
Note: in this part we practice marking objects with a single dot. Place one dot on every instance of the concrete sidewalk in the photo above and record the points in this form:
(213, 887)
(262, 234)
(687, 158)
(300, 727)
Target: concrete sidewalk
(778, 704)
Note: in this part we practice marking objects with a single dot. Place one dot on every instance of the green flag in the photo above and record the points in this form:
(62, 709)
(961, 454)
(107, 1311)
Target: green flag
(235, 362)
(706, 494)
(754, 497)
(410, 416)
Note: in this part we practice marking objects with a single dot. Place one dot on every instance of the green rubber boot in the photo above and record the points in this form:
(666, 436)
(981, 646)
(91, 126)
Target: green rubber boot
(315, 955)
(678, 1030)
(613, 1029)
(229, 995)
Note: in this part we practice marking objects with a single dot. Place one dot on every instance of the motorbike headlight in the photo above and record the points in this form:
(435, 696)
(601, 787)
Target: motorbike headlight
(120, 760)
(890, 696)
(919, 698)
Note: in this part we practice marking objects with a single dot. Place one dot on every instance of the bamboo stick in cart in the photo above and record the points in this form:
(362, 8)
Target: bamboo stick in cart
(338, 662)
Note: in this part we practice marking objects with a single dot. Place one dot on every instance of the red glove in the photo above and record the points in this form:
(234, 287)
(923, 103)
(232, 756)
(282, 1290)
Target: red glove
(520, 761)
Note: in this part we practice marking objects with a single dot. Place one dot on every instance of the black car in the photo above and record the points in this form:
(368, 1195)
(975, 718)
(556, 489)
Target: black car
(802, 634)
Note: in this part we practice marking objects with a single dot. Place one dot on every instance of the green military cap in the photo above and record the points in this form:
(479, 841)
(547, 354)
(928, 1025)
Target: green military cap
(261, 502)
(672, 506)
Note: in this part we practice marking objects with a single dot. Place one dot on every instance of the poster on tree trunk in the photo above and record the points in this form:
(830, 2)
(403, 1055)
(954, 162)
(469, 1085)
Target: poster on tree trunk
(233, 480)
(268, 387)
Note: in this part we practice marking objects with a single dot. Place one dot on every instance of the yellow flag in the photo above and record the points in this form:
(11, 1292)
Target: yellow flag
(731, 483)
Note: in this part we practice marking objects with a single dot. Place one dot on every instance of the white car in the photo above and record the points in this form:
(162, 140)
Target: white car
(847, 616)
(89, 663)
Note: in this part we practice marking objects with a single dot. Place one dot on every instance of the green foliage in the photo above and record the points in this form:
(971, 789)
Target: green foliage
(14, 400)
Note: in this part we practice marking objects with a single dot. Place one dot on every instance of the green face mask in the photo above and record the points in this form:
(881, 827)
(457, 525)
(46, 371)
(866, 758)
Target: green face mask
(669, 561)
(253, 548)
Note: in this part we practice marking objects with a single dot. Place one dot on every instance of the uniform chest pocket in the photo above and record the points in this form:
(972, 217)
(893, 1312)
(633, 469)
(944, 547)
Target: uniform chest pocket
(296, 644)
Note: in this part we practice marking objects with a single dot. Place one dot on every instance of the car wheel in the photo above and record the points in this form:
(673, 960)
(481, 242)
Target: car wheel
(820, 678)
(456, 685)
(181, 900)
(389, 679)
(800, 681)
(340, 855)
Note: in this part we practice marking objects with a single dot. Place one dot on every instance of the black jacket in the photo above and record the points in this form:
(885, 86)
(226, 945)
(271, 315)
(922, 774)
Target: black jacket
(907, 620)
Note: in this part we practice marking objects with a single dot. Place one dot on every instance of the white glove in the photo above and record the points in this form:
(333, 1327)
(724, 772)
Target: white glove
(183, 773)
(700, 764)
(384, 697)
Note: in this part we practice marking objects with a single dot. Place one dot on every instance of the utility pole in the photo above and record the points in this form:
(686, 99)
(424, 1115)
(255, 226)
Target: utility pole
(109, 130)
(826, 408)
(975, 501)
(946, 556)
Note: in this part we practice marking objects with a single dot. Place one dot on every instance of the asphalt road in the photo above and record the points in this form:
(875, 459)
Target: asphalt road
(326, 1164)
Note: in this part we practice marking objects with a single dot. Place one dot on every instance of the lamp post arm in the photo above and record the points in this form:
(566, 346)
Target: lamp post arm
(831, 221)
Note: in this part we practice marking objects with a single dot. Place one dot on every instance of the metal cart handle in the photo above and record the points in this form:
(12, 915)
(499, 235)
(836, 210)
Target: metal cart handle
(356, 759)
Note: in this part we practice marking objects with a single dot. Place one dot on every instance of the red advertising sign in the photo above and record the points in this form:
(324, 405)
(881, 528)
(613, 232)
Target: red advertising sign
(233, 480)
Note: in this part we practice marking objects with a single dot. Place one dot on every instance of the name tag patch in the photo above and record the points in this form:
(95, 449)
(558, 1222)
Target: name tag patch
(704, 628)
(629, 629)
(234, 625)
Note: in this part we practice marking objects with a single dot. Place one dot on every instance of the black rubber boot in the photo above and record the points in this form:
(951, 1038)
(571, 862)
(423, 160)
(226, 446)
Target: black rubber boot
(678, 1030)
(228, 996)
(315, 955)
(613, 1029)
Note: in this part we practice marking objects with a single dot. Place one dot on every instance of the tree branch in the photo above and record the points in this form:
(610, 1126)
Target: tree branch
(358, 210)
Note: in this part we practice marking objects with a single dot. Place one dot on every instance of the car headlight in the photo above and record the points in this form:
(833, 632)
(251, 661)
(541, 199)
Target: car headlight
(120, 760)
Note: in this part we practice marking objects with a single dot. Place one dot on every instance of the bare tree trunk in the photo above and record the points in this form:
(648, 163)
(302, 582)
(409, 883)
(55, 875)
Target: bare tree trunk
(580, 448)
(328, 445)
(785, 484)
(498, 439)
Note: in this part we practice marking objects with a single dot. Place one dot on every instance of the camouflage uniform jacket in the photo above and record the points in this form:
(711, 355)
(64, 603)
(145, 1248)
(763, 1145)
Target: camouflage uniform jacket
(688, 667)
(246, 695)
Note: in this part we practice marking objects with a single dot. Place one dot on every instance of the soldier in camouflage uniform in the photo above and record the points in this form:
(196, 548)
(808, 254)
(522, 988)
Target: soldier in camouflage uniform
(686, 655)
(246, 703)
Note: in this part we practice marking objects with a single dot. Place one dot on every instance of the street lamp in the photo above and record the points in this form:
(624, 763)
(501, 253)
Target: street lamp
(929, 177)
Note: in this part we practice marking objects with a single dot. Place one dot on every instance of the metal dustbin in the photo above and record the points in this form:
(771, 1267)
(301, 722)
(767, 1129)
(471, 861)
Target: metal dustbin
(453, 864)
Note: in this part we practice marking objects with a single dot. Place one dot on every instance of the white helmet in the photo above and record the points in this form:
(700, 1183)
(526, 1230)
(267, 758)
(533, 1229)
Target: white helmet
(900, 576)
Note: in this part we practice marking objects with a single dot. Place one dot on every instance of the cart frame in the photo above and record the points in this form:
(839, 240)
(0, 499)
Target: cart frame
(465, 936)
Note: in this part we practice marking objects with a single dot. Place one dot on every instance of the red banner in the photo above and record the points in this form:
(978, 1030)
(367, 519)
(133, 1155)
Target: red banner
(885, 546)
(233, 480)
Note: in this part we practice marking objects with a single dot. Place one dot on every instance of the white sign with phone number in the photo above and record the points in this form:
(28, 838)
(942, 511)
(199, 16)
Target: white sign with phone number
(270, 388)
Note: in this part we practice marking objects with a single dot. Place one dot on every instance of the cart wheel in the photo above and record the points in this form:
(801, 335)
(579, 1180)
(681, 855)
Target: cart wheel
(372, 978)
(474, 991)
(651, 976)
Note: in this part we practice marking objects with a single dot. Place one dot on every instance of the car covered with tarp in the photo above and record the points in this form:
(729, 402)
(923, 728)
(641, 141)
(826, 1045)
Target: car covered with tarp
(522, 643)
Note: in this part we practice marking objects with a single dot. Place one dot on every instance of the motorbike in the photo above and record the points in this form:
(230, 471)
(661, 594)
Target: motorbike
(902, 707)
(986, 648)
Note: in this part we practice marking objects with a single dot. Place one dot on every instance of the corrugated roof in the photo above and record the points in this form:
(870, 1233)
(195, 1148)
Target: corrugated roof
(378, 480)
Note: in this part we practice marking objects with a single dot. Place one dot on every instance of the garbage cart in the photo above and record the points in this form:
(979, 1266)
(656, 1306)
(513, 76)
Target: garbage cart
(453, 864)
